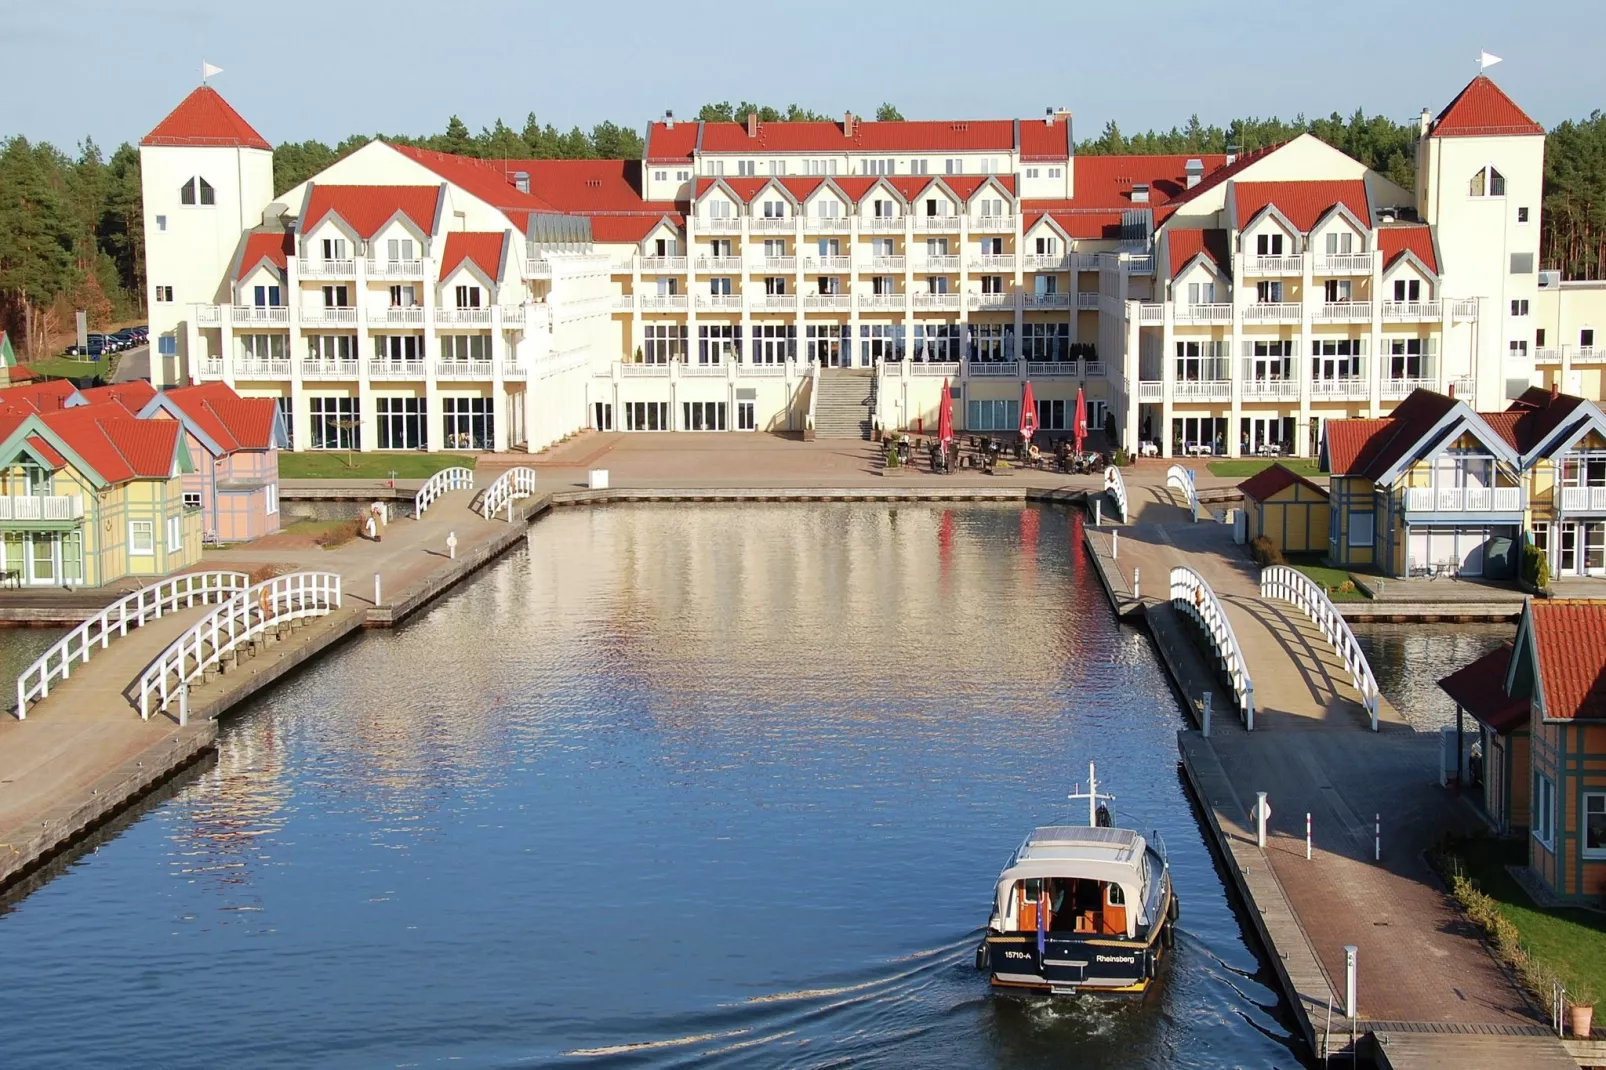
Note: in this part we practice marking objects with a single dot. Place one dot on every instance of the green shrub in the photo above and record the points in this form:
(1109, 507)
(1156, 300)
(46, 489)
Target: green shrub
(892, 455)
(1264, 552)
(1119, 457)
(1535, 567)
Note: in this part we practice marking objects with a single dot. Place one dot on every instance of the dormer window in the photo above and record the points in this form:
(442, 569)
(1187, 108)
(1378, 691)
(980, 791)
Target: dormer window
(1488, 183)
(197, 191)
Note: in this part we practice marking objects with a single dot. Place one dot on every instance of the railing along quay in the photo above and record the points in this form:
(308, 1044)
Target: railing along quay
(132, 610)
(1190, 594)
(514, 483)
(1294, 587)
(244, 617)
(447, 479)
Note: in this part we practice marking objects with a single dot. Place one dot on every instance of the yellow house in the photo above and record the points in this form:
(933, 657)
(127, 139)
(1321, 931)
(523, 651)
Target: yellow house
(1563, 439)
(1286, 508)
(89, 495)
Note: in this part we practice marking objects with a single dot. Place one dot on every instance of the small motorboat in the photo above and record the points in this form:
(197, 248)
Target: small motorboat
(1081, 908)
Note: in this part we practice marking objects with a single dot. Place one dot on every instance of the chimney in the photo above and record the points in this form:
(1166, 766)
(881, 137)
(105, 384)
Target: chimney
(669, 120)
(1452, 391)
(752, 124)
(1194, 169)
(1140, 193)
(847, 124)
(521, 181)
(1423, 123)
(1232, 154)
(1555, 389)
(1048, 116)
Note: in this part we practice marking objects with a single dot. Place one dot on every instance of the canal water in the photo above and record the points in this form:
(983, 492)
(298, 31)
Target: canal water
(671, 787)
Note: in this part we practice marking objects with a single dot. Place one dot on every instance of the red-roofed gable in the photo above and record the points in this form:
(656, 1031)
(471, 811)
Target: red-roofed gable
(204, 119)
(1396, 241)
(273, 247)
(1107, 181)
(46, 396)
(233, 422)
(489, 180)
(588, 185)
(1368, 448)
(483, 250)
(1504, 424)
(117, 446)
(1351, 442)
(368, 208)
(131, 395)
(975, 135)
(621, 229)
(1226, 171)
(1303, 203)
(1268, 481)
(1537, 413)
(1184, 245)
(1045, 141)
(1480, 689)
(1482, 109)
(667, 143)
(1570, 637)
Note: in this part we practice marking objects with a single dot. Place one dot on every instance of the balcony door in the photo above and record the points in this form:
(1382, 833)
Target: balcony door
(42, 558)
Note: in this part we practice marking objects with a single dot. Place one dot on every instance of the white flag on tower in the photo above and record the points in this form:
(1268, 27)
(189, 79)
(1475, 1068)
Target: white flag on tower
(1485, 60)
(207, 70)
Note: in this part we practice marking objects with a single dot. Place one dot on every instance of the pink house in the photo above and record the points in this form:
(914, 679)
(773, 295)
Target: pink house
(235, 442)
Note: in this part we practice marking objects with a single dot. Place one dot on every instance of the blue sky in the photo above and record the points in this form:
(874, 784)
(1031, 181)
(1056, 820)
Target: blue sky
(301, 69)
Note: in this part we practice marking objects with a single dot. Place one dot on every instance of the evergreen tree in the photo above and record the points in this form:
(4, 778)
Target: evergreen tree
(887, 113)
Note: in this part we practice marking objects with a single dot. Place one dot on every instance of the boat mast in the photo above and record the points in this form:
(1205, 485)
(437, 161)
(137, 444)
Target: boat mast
(1092, 796)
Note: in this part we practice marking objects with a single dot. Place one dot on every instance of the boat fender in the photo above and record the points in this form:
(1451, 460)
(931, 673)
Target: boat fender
(1174, 909)
(1150, 963)
(981, 956)
(1168, 935)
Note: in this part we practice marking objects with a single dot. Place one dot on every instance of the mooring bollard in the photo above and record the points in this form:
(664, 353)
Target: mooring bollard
(1377, 838)
(1096, 513)
(1350, 951)
(376, 589)
(1137, 590)
(1115, 544)
(183, 704)
(1209, 700)
(1307, 835)
(451, 544)
(1262, 812)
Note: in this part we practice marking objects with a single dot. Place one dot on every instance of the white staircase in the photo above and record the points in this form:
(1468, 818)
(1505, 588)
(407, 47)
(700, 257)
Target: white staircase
(842, 407)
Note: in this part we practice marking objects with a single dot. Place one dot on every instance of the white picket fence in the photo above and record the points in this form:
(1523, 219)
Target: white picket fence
(132, 610)
(1180, 478)
(1191, 595)
(1115, 487)
(1292, 586)
(447, 479)
(237, 621)
(514, 483)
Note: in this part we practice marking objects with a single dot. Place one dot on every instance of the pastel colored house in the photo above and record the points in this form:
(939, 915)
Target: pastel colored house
(1564, 442)
(1286, 508)
(1552, 682)
(235, 441)
(89, 495)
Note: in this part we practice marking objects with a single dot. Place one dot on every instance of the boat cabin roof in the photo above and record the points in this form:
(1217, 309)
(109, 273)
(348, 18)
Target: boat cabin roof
(1111, 855)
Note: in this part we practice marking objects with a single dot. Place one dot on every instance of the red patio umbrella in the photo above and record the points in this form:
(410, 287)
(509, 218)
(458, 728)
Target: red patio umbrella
(945, 417)
(1028, 415)
(1080, 423)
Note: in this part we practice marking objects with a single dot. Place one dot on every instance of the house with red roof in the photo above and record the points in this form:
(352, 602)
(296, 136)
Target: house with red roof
(235, 442)
(1285, 507)
(1539, 769)
(91, 494)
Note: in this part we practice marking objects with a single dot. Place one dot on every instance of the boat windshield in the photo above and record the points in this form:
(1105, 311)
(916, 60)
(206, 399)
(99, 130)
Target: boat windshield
(1070, 905)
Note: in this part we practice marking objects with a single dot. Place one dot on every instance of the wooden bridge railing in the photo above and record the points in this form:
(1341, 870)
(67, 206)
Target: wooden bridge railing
(447, 479)
(1182, 479)
(514, 483)
(1292, 586)
(1192, 596)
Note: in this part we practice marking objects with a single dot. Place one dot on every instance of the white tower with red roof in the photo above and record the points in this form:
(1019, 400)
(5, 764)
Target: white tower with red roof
(206, 176)
(1480, 180)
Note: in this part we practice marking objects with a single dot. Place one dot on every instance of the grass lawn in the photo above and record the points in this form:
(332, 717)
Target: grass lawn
(328, 464)
(1569, 942)
(69, 367)
(327, 533)
(1328, 578)
(1245, 467)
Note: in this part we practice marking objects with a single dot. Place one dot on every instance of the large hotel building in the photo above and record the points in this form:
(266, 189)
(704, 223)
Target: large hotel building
(824, 277)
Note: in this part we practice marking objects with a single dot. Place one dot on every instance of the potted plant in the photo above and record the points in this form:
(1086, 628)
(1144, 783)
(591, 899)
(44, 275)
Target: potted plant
(1582, 996)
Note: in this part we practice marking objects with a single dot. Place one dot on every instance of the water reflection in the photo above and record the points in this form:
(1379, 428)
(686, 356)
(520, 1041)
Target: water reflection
(676, 786)
(1410, 660)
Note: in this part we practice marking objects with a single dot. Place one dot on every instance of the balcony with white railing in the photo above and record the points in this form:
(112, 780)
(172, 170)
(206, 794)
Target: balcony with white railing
(1274, 265)
(930, 302)
(663, 265)
(829, 263)
(775, 263)
(993, 262)
(772, 224)
(1140, 264)
(1548, 355)
(207, 315)
(276, 315)
(209, 368)
(1588, 355)
(1412, 311)
(887, 263)
(1087, 301)
(1396, 387)
(1507, 500)
(1344, 264)
(776, 302)
(1272, 312)
(328, 369)
(827, 302)
(732, 264)
(992, 369)
(1343, 312)
(883, 224)
(720, 224)
(828, 224)
(1151, 390)
(62, 508)
(396, 269)
(1212, 313)
(1341, 388)
(1151, 314)
(1202, 390)
(704, 371)
(462, 369)
(1093, 369)
(254, 368)
(999, 302)
(1465, 387)
(663, 302)
(644, 371)
(1464, 310)
(1046, 262)
(940, 263)
(945, 224)
(466, 317)
(992, 224)
(1052, 369)
(512, 369)
(539, 267)
(883, 302)
(395, 369)
(326, 269)
(1578, 501)
(1052, 300)
(1269, 389)
(410, 316)
(328, 317)
(725, 302)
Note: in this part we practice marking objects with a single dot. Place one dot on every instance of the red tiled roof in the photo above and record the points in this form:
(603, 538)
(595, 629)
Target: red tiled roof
(1504, 424)
(619, 229)
(587, 185)
(46, 396)
(1107, 181)
(1570, 635)
(1184, 245)
(1268, 481)
(46, 451)
(1097, 223)
(231, 421)
(131, 395)
(1538, 413)
(1045, 141)
(1482, 109)
(1396, 241)
(117, 446)
(1480, 689)
(481, 248)
(273, 247)
(368, 208)
(1216, 177)
(489, 180)
(666, 143)
(204, 119)
(975, 135)
(1303, 203)
(1367, 448)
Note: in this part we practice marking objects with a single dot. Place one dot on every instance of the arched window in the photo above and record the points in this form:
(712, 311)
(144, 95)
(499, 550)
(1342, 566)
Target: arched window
(1488, 183)
(197, 191)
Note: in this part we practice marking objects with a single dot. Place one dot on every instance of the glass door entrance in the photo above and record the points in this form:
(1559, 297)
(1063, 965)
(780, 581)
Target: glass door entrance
(41, 558)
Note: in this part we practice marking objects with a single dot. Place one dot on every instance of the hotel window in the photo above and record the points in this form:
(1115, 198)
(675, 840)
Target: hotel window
(829, 246)
(774, 248)
(1201, 361)
(746, 167)
(953, 166)
(720, 209)
(715, 167)
(1594, 824)
(719, 247)
(197, 191)
(1539, 338)
(682, 176)
(1047, 246)
(992, 207)
(1522, 263)
(992, 341)
(1201, 293)
(882, 208)
(1045, 341)
(919, 167)
(142, 537)
(1031, 172)
(334, 423)
(935, 206)
(404, 295)
(664, 342)
(829, 344)
(1406, 359)
(167, 344)
(883, 284)
(883, 247)
(1042, 285)
(1055, 172)
(1540, 536)
(989, 166)
(267, 297)
(719, 286)
(332, 347)
(774, 209)
(1586, 338)
(336, 297)
(661, 176)
(402, 424)
(1268, 245)
(1361, 526)
(702, 416)
(879, 342)
(1272, 360)
(1487, 183)
(1407, 289)
(467, 296)
(161, 222)
(992, 247)
(1336, 358)
(469, 423)
(992, 284)
(828, 285)
(399, 249)
(164, 295)
(1340, 243)
(399, 348)
(1269, 293)
(646, 415)
(465, 347)
(775, 285)
(777, 167)
(334, 248)
(936, 246)
(936, 342)
(285, 410)
(718, 342)
(994, 415)
(828, 208)
(1518, 349)
(668, 287)
(270, 498)
(1519, 308)
(264, 346)
(1522, 215)
(1336, 291)
(1544, 811)
(774, 343)
(937, 284)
